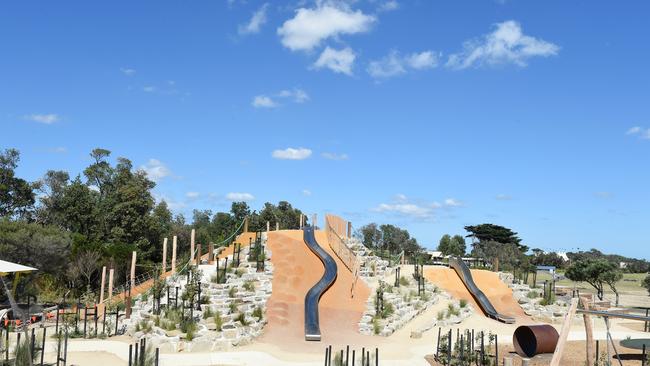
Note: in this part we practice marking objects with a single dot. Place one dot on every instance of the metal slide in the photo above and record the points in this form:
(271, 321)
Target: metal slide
(466, 276)
(312, 327)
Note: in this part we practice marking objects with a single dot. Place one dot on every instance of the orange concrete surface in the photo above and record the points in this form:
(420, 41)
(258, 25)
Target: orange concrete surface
(297, 269)
(499, 293)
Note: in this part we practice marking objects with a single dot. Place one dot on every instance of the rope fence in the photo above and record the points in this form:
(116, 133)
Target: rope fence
(335, 228)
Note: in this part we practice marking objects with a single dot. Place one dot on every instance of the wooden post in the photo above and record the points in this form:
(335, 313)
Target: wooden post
(300, 221)
(268, 227)
(349, 229)
(564, 333)
(101, 293)
(192, 239)
(277, 226)
(589, 332)
(198, 255)
(314, 221)
(164, 257)
(246, 224)
(133, 259)
(211, 253)
(110, 283)
(174, 254)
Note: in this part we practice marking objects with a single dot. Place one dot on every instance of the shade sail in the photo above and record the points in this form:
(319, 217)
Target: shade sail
(9, 267)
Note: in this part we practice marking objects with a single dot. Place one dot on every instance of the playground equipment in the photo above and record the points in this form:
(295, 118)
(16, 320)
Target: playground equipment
(531, 340)
(312, 325)
(466, 277)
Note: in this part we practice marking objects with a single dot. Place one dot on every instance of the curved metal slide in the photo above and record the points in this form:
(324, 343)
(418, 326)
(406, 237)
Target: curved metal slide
(312, 327)
(466, 276)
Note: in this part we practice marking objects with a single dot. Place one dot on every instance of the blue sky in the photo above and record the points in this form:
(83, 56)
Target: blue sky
(428, 114)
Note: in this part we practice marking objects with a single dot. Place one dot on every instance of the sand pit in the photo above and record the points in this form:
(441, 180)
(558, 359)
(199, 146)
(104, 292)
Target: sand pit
(498, 292)
(297, 269)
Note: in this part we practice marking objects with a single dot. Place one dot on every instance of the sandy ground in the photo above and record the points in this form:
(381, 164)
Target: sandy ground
(498, 292)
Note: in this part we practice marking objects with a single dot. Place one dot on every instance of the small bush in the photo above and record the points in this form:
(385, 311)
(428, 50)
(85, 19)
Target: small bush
(239, 272)
(232, 291)
(207, 313)
(189, 328)
(463, 303)
(232, 307)
(452, 310)
(218, 321)
(249, 286)
(403, 281)
(532, 295)
(376, 327)
(441, 315)
(258, 313)
(389, 309)
(241, 317)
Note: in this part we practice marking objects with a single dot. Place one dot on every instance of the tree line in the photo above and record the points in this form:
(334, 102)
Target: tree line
(70, 226)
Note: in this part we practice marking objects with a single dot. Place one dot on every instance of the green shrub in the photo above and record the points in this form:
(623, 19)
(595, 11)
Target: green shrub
(389, 309)
(218, 321)
(403, 281)
(207, 313)
(376, 327)
(532, 295)
(463, 303)
(232, 307)
(249, 286)
(239, 272)
(232, 291)
(258, 313)
(441, 315)
(241, 317)
(189, 328)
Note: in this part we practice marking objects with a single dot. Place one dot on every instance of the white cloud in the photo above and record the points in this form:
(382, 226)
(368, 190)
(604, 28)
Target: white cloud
(339, 61)
(256, 22)
(604, 194)
(403, 206)
(335, 156)
(47, 119)
(642, 132)
(263, 101)
(309, 27)
(296, 95)
(127, 71)
(240, 196)
(395, 64)
(292, 154)
(451, 202)
(503, 197)
(306, 192)
(389, 5)
(422, 60)
(192, 195)
(156, 170)
(149, 89)
(506, 44)
(406, 209)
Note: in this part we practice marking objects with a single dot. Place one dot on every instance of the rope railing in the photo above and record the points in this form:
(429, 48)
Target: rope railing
(148, 276)
(334, 224)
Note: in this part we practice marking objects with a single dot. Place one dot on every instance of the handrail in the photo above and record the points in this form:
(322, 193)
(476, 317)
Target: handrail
(338, 246)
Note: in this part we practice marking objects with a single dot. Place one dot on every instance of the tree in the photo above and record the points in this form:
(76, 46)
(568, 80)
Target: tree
(16, 195)
(491, 232)
(43, 247)
(596, 272)
(611, 278)
(452, 246)
(370, 235)
(646, 283)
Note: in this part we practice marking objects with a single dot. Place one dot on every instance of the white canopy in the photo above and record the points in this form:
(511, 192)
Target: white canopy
(9, 267)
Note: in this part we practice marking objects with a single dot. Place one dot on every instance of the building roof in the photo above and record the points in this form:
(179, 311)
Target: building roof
(9, 267)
